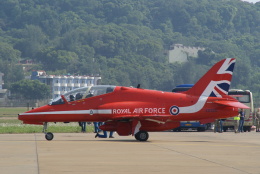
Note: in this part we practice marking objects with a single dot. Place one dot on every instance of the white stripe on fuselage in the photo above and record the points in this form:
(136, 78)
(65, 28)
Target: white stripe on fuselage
(91, 111)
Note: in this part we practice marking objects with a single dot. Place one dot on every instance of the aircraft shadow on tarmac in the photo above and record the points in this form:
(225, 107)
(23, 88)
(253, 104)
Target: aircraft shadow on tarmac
(100, 140)
(128, 140)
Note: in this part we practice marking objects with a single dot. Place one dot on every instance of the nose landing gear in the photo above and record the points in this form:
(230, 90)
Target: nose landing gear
(48, 135)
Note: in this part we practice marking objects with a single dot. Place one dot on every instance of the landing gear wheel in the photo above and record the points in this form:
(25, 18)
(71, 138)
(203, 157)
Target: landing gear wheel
(49, 136)
(142, 136)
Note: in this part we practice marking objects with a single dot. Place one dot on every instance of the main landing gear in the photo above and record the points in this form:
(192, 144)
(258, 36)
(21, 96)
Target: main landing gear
(48, 135)
(142, 136)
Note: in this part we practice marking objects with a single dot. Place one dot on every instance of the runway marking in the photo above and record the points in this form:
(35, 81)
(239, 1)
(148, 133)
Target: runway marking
(204, 159)
(213, 145)
(37, 156)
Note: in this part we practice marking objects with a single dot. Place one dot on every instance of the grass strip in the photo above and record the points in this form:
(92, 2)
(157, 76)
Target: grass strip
(11, 111)
(9, 128)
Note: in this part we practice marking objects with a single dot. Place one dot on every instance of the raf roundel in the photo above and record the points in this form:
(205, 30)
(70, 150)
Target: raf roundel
(174, 110)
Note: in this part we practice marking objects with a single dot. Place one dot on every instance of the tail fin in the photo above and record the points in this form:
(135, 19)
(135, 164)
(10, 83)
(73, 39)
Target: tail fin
(216, 82)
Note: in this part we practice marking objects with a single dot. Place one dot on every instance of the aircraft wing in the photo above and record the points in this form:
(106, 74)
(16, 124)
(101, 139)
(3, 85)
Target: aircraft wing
(236, 104)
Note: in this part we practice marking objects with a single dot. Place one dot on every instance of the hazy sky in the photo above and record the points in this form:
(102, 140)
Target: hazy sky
(254, 1)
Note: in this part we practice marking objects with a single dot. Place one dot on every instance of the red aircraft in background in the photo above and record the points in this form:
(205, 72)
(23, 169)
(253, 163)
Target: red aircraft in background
(136, 111)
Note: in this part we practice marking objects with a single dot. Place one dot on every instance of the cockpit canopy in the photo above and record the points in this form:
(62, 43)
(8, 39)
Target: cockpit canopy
(84, 92)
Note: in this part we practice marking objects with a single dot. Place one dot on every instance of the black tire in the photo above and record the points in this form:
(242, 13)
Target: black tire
(49, 136)
(142, 136)
(201, 129)
(247, 128)
(176, 129)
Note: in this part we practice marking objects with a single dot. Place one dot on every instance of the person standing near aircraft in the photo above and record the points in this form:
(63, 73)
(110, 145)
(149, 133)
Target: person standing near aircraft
(236, 123)
(241, 121)
(216, 126)
(96, 130)
(221, 125)
(257, 120)
(83, 127)
(96, 126)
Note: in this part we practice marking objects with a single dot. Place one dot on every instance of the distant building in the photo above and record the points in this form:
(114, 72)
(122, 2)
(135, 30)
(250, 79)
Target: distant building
(2, 91)
(180, 53)
(60, 84)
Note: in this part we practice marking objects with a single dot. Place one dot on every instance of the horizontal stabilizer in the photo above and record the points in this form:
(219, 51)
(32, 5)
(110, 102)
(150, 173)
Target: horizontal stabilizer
(232, 104)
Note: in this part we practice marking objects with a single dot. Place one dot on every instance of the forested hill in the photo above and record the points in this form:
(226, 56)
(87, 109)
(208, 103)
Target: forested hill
(125, 40)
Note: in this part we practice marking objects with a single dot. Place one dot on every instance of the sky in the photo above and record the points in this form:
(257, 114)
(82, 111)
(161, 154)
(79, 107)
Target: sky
(254, 1)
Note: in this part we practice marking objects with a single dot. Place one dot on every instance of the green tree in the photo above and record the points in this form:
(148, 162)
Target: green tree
(57, 59)
(8, 53)
(31, 40)
(205, 57)
(12, 72)
(30, 89)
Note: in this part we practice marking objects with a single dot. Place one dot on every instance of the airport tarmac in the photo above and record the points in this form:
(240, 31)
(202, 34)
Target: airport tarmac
(164, 152)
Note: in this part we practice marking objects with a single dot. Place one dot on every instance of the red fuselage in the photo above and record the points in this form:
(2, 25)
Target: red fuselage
(126, 103)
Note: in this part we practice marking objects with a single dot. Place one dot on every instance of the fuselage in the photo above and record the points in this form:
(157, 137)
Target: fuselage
(128, 103)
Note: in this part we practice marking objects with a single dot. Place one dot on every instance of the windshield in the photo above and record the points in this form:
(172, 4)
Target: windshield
(84, 92)
(243, 97)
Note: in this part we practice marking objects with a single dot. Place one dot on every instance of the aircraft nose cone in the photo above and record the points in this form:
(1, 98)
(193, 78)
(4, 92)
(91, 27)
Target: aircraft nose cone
(19, 117)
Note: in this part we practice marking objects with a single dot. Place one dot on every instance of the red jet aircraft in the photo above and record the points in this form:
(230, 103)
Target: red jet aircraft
(136, 111)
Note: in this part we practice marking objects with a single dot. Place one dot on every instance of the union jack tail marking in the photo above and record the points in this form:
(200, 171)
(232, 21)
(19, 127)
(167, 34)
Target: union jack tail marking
(216, 82)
